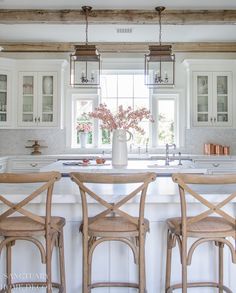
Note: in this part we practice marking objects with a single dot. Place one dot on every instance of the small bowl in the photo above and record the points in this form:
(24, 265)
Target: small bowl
(100, 161)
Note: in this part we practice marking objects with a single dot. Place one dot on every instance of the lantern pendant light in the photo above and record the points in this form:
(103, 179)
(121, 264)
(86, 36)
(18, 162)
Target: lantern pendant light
(160, 62)
(85, 62)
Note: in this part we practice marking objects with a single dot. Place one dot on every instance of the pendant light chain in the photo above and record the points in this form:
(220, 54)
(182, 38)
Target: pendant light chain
(86, 28)
(86, 10)
(160, 33)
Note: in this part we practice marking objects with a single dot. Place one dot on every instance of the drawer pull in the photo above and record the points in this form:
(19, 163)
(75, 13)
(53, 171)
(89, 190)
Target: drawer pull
(215, 165)
(33, 164)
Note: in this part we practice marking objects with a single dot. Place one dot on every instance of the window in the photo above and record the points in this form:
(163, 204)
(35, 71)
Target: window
(127, 88)
(166, 123)
(80, 106)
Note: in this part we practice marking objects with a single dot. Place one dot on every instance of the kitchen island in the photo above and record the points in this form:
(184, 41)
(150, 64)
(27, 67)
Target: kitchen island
(114, 261)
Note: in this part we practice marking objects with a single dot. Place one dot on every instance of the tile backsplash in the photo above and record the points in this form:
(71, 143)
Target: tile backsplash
(13, 142)
(196, 137)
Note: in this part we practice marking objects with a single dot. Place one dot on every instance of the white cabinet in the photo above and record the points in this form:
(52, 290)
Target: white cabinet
(37, 99)
(212, 98)
(24, 165)
(6, 92)
(31, 93)
(211, 87)
(3, 165)
(4, 98)
(216, 166)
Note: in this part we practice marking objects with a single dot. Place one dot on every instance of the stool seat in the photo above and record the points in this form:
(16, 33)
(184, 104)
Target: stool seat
(209, 226)
(24, 226)
(108, 226)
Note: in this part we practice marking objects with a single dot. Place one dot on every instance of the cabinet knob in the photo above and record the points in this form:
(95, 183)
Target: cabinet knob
(211, 119)
(35, 119)
(38, 119)
(214, 119)
(33, 164)
(215, 165)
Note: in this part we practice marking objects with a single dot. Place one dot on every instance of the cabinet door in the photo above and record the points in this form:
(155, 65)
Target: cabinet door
(47, 99)
(202, 99)
(222, 103)
(4, 98)
(27, 99)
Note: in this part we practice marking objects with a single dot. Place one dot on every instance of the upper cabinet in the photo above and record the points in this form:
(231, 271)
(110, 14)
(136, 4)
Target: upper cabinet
(31, 93)
(6, 83)
(212, 98)
(4, 98)
(38, 99)
(210, 89)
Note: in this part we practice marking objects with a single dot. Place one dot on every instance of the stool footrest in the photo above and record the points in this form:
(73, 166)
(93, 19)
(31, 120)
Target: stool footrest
(198, 284)
(113, 284)
(29, 285)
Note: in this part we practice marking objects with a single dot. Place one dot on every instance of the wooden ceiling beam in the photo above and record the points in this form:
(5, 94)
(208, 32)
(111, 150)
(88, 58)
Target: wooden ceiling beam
(116, 47)
(170, 17)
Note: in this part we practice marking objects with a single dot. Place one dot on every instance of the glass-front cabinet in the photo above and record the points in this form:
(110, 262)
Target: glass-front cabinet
(212, 103)
(4, 98)
(37, 99)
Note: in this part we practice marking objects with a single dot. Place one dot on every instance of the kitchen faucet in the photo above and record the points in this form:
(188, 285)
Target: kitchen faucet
(131, 147)
(167, 160)
(146, 146)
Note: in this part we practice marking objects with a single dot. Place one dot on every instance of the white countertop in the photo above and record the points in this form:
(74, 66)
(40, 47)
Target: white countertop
(133, 166)
(108, 156)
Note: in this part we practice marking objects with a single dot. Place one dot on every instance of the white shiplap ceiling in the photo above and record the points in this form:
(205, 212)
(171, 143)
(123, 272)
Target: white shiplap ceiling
(108, 33)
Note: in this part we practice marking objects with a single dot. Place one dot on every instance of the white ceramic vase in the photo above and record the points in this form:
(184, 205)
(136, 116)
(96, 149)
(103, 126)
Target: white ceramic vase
(119, 148)
(83, 139)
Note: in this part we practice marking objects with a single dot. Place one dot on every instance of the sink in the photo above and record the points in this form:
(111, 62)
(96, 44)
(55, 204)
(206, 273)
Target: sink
(172, 164)
(163, 157)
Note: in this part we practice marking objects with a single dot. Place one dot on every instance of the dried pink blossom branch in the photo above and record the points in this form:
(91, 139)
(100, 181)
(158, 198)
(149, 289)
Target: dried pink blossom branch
(123, 119)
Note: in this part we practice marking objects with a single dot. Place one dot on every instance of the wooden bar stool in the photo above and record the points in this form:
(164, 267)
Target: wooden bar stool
(113, 224)
(29, 226)
(203, 227)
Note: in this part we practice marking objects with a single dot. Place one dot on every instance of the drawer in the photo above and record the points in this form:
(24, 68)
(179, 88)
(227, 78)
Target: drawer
(3, 167)
(29, 165)
(217, 166)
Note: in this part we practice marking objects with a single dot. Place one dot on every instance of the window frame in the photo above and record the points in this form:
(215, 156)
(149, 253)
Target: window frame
(178, 96)
(132, 72)
(75, 95)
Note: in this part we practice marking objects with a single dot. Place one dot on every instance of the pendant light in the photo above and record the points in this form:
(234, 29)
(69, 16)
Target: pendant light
(160, 62)
(85, 61)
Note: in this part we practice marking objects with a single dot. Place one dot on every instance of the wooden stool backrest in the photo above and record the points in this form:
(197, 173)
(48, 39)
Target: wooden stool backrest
(47, 179)
(144, 179)
(184, 180)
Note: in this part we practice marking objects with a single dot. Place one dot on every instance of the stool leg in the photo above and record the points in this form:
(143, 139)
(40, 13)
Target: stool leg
(90, 259)
(85, 263)
(184, 265)
(168, 259)
(48, 264)
(142, 285)
(8, 266)
(221, 267)
(62, 261)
